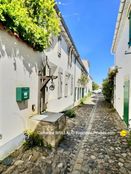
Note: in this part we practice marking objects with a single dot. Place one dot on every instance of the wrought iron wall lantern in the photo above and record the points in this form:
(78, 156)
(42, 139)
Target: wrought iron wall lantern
(52, 86)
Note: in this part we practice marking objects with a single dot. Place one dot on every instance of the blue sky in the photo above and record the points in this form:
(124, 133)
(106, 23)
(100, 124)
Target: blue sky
(91, 24)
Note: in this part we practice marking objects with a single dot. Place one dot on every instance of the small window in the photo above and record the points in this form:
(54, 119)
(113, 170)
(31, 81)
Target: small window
(129, 29)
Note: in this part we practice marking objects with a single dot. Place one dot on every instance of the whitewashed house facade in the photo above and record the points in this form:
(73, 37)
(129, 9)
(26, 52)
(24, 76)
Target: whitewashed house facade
(48, 80)
(121, 49)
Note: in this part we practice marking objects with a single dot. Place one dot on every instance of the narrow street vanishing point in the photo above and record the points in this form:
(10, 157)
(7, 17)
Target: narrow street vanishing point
(92, 145)
(65, 103)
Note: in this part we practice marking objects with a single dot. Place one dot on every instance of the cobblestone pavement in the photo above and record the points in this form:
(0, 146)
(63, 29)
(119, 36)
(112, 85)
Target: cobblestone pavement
(100, 151)
(103, 151)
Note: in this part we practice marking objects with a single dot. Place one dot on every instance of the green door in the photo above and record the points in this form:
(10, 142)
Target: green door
(126, 101)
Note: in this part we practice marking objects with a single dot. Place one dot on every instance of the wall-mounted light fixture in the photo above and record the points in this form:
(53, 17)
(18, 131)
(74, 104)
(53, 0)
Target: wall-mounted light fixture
(52, 86)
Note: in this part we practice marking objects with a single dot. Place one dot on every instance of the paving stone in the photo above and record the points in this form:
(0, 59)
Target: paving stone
(18, 162)
(76, 172)
(85, 169)
(79, 161)
(121, 160)
(93, 157)
(128, 165)
(124, 154)
(123, 170)
(77, 167)
(120, 164)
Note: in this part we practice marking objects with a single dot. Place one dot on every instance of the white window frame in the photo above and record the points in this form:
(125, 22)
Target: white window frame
(66, 84)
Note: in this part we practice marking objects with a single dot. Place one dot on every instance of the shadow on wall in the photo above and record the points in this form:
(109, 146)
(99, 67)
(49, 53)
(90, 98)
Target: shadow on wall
(53, 44)
(15, 49)
(23, 105)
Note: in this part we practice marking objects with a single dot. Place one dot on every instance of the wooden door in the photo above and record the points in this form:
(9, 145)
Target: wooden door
(42, 91)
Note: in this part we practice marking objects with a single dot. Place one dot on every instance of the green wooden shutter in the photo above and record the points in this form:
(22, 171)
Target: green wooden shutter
(126, 101)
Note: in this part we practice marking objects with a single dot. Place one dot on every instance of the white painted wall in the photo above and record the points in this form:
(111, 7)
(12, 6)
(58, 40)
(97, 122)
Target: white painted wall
(89, 84)
(19, 67)
(55, 104)
(124, 62)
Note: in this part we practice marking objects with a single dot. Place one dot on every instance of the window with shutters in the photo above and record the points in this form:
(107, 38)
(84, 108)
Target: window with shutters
(71, 84)
(129, 43)
(60, 80)
(66, 84)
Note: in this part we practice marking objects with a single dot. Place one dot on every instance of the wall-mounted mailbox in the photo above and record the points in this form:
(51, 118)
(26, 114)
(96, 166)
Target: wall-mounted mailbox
(22, 93)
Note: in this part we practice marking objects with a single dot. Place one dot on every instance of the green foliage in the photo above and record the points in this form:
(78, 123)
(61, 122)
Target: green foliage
(112, 73)
(82, 101)
(95, 86)
(108, 86)
(108, 89)
(33, 139)
(70, 113)
(89, 93)
(83, 80)
(33, 21)
(85, 98)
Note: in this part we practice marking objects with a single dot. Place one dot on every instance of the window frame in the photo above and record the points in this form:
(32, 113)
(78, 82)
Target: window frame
(66, 84)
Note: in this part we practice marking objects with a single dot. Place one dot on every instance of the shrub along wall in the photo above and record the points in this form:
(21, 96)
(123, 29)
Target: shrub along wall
(108, 85)
(33, 21)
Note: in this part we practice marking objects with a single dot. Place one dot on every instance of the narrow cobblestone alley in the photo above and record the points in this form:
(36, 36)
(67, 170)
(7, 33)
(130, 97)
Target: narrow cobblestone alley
(103, 151)
(92, 145)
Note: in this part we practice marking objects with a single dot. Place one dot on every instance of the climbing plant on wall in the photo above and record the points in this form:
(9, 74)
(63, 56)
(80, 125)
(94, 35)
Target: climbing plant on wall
(83, 80)
(33, 21)
(108, 85)
(95, 86)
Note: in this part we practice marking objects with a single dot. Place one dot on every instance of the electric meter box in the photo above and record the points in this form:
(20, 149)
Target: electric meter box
(22, 93)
